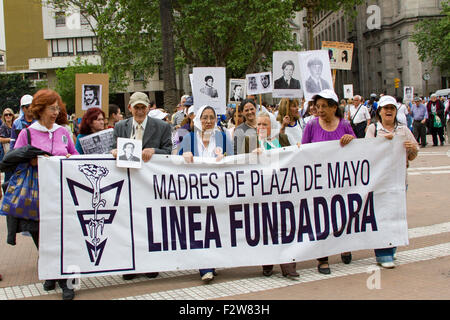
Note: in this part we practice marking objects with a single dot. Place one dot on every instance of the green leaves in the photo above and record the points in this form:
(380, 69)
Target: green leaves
(432, 39)
(12, 88)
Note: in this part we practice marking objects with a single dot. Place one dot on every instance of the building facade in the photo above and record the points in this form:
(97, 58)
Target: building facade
(383, 51)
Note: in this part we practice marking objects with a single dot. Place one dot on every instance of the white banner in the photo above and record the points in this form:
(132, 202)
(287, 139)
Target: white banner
(289, 204)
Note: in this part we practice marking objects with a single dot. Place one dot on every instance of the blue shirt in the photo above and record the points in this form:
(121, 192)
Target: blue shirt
(18, 125)
(419, 112)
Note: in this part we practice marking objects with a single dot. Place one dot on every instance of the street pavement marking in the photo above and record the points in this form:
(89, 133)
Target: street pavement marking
(428, 168)
(244, 285)
(428, 172)
(255, 284)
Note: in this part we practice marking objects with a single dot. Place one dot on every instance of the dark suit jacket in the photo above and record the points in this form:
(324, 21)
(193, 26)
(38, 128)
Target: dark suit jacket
(312, 87)
(157, 134)
(282, 84)
(124, 157)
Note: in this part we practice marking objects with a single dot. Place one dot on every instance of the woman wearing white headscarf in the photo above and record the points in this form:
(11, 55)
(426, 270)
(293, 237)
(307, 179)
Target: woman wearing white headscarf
(207, 141)
(269, 137)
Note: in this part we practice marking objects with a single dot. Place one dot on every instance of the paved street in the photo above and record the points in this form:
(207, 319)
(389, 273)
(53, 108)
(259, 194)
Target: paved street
(422, 272)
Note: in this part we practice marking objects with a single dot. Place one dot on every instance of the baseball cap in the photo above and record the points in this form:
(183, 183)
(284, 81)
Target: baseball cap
(26, 100)
(139, 98)
(373, 95)
(158, 114)
(190, 110)
(387, 100)
(417, 99)
(189, 101)
(327, 94)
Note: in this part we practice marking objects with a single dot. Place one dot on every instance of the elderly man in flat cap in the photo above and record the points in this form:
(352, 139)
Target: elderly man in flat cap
(155, 135)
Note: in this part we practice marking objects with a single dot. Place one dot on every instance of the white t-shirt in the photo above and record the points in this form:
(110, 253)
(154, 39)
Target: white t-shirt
(362, 115)
(402, 112)
(295, 133)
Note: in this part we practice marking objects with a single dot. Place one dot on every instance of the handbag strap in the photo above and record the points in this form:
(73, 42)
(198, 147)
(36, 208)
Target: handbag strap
(356, 113)
(28, 136)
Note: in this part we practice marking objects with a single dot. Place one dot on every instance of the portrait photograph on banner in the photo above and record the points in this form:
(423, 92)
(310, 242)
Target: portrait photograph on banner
(286, 74)
(259, 83)
(339, 53)
(210, 88)
(348, 91)
(129, 153)
(236, 90)
(408, 93)
(315, 72)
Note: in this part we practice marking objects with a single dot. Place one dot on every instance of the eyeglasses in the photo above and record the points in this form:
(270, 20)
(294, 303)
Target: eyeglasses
(8, 114)
(26, 106)
(54, 108)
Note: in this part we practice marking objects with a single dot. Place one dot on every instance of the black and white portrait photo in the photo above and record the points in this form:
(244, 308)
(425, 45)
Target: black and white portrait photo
(315, 71)
(252, 84)
(129, 153)
(237, 90)
(348, 91)
(259, 83)
(408, 93)
(92, 96)
(210, 88)
(286, 74)
(265, 80)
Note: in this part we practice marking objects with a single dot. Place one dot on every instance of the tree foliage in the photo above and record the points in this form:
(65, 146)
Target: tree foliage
(12, 88)
(432, 39)
(240, 35)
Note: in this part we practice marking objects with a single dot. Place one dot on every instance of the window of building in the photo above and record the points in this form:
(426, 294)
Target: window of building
(62, 47)
(138, 76)
(60, 19)
(86, 45)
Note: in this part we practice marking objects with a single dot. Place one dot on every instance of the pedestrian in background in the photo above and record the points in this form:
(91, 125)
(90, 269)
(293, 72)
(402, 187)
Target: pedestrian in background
(419, 114)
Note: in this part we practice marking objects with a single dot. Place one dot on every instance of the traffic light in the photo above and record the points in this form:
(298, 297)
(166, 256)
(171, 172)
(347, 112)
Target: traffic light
(397, 82)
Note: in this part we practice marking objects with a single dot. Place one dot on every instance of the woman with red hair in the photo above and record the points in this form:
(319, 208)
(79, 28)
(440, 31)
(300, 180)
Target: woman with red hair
(93, 121)
(48, 136)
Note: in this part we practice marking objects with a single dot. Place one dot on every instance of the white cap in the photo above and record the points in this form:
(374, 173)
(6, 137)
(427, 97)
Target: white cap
(158, 114)
(26, 100)
(387, 100)
(190, 110)
(327, 94)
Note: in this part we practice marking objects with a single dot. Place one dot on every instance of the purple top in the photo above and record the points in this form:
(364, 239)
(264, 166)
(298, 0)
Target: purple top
(59, 143)
(314, 133)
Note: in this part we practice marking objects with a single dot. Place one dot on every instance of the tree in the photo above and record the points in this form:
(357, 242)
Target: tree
(432, 39)
(168, 51)
(240, 35)
(12, 88)
(65, 81)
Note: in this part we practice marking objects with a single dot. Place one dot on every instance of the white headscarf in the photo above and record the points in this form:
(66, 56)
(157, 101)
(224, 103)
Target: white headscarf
(275, 126)
(198, 114)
